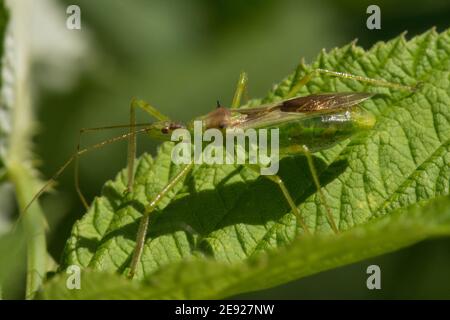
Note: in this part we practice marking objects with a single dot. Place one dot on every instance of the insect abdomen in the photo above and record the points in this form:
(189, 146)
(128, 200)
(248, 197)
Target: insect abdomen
(322, 131)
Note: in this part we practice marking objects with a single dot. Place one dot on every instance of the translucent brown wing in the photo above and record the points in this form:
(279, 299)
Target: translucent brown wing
(315, 102)
(300, 107)
(324, 101)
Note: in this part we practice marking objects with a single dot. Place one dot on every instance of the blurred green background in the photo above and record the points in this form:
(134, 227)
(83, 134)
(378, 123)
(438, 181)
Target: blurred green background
(182, 56)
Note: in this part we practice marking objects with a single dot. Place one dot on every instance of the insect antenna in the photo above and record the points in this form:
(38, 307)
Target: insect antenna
(74, 156)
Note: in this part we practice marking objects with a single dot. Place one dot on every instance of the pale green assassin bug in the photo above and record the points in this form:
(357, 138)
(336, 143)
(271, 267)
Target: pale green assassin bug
(306, 124)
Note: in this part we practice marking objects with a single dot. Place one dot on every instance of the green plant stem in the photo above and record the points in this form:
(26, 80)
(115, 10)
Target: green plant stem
(18, 161)
(34, 227)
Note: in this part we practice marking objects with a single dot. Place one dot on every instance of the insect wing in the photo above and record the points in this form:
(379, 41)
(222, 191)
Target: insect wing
(300, 108)
(324, 101)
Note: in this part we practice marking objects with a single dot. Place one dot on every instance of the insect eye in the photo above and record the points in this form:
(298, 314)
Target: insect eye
(222, 125)
(165, 130)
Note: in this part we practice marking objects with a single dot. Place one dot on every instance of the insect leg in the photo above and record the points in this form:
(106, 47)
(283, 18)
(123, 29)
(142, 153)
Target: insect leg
(376, 82)
(240, 89)
(155, 113)
(131, 155)
(277, 179)
(58, 173)
(315, 176)
(76, 160)
(143, 224)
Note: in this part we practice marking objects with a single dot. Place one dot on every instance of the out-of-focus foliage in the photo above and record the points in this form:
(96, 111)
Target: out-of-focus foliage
(18, 174)
(5, 112)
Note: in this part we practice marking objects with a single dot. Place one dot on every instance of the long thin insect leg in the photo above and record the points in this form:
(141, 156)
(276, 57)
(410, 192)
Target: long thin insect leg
(287, 195)
(277, 179)
(315, 176)
(240, 89)
(76, 160)
(376, 82)
(76, 173)
(69, 161)
(143, 225)
(131, 155)
(151, 110)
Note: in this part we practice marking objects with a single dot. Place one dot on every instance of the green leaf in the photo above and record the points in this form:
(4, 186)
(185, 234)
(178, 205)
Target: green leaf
(207, 278)
(225, 218)
(12, 253)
